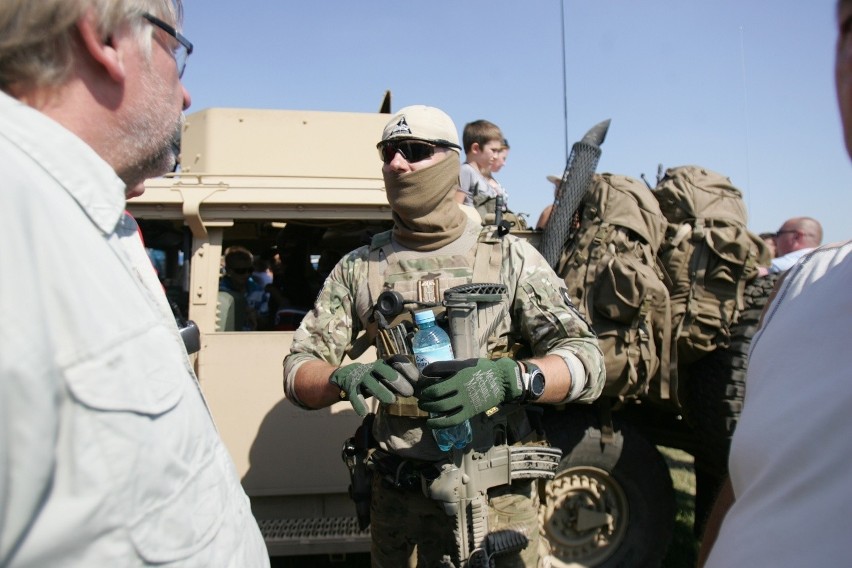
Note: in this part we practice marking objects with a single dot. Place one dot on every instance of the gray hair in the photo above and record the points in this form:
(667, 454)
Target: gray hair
(37, 36)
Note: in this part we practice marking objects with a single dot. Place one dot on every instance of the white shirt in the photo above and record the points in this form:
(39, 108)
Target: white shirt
(791, 458)
(108, 453)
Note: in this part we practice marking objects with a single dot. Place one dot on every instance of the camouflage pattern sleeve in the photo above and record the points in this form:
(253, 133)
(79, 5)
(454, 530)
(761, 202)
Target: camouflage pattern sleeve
(333, 323)
(544, 316)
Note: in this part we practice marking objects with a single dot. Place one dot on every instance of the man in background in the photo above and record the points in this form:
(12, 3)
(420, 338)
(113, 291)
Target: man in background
(795, 238)
(108, 454)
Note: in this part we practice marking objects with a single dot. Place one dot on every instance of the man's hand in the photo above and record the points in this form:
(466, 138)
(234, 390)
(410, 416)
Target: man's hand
(454, 391)
(380, 379)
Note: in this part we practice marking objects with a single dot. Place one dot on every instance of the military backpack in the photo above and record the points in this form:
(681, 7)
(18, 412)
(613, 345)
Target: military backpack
(611, 271)
(708, 255)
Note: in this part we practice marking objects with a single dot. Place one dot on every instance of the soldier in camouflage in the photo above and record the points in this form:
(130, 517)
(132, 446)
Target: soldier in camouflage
(432, 247)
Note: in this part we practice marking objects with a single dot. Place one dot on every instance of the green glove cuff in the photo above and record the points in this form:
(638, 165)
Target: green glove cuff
(358, 380)
(454, 391)
(512, 379)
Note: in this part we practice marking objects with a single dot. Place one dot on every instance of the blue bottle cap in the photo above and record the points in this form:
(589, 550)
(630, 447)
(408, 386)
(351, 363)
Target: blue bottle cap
(423, 317)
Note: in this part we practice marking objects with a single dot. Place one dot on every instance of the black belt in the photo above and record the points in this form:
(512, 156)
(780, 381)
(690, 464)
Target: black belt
(402, 473)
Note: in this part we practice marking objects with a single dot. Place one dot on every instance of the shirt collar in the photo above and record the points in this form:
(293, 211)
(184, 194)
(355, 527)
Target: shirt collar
(75, 166)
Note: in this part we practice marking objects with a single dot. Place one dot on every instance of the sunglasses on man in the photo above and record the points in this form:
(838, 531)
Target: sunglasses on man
(412, 150)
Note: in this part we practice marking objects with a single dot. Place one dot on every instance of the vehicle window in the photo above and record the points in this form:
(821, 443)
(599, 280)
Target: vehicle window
(270, 272)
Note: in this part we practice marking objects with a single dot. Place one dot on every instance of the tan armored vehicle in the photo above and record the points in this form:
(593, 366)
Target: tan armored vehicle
(302, 188)
(268, 180)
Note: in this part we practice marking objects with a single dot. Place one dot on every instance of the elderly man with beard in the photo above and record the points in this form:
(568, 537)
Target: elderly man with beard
(434, 246)
(108, 453)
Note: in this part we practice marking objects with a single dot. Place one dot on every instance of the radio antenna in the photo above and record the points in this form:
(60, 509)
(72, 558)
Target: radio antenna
(745, 115)
(564, 79)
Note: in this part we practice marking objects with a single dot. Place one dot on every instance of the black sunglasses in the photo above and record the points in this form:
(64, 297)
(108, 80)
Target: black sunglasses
(184, 46)
(411, 150)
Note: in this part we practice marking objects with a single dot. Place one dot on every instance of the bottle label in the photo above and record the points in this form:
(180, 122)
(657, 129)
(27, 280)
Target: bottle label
(431, 354)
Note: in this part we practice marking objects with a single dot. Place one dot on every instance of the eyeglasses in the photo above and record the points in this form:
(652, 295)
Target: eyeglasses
(244, 270)
(411, 150)
(184, 46)
(779, 233)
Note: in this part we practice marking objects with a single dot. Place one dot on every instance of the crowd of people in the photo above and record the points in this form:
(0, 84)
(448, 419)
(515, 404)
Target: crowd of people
(109, 455)
(271, 290)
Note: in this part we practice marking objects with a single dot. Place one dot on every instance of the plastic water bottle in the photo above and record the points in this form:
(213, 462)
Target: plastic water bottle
(431, 343)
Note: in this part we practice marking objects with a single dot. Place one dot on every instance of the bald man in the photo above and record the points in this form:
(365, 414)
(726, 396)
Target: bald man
(795, 238)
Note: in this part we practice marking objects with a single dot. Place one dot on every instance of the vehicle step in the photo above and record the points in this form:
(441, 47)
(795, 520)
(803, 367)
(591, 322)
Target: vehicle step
(278, 532)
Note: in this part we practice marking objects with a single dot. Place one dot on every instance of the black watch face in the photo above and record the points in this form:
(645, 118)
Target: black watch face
(536, 384)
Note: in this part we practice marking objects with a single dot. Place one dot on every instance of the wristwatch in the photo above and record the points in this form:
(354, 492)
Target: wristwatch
(533, 382)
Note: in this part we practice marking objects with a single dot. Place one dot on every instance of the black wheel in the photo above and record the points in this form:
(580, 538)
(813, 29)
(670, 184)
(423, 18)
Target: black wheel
(712, 394)
(604, 508)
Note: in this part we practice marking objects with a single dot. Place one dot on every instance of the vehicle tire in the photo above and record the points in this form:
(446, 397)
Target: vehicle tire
(604, 509)
(712, 397)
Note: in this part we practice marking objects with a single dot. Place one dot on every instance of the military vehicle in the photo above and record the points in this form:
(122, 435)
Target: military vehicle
(266, 180)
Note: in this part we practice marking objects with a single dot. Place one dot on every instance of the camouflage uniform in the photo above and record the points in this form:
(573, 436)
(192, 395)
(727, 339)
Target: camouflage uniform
(540, 316)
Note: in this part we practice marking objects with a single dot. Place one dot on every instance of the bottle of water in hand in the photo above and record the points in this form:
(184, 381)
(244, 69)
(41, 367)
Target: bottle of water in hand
(431, 343)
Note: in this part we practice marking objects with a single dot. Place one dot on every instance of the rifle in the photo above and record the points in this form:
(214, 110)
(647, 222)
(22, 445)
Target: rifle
(462, 488)
(579, 169)
(462, 485)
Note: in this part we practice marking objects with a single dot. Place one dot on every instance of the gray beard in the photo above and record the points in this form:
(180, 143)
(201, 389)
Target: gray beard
(165, 160)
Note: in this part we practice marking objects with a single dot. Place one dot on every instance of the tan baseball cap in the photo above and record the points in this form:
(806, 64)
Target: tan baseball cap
(554, 179)
(420, 122)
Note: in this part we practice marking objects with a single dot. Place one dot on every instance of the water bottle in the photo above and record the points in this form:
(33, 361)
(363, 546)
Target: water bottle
(431, 343)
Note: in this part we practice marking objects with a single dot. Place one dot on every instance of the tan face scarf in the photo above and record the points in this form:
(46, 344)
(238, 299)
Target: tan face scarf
(425, 213)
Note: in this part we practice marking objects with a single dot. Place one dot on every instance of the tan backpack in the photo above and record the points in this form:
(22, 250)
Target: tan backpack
(611, 272)
(708, 256)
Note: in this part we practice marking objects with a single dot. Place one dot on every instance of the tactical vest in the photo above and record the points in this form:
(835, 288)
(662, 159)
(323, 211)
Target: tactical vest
(477, 257)
(424, 278)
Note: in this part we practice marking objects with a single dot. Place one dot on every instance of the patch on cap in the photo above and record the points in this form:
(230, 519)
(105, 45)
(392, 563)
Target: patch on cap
(400, 128)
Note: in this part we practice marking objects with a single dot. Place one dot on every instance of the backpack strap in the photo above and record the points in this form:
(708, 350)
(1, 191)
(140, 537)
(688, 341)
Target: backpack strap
(486, 269)
(698, 271)
(602, 235)
(380, 250)
(489, 257)
(666, 351)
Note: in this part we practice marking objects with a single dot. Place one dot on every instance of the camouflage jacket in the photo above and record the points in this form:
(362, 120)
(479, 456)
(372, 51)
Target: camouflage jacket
(536, 312)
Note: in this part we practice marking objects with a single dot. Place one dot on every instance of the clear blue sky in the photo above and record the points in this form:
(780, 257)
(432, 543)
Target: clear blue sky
(743, 87)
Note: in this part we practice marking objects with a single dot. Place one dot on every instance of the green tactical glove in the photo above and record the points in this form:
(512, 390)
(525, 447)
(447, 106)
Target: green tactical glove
(454, 391)
(381, 379)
